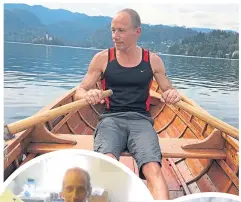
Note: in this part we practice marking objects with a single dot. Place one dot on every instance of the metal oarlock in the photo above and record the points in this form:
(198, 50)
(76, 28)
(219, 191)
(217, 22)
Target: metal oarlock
(7, 134)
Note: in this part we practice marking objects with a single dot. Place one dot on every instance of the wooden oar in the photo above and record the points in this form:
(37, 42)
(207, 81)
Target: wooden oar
(21, 125)
(230, 130)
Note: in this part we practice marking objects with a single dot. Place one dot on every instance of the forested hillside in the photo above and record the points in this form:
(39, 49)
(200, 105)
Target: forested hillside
(37, 24)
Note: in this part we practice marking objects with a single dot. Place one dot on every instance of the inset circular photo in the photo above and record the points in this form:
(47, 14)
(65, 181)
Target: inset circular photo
(75, 176)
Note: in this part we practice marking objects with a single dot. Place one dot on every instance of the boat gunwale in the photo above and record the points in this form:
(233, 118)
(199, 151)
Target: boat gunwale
(22, 137)
(233, 142)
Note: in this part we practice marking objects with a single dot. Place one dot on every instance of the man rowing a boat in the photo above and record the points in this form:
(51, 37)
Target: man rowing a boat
(128, 70)
(76, 185)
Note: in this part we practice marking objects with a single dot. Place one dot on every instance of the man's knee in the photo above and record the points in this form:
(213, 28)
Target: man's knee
(111, 155)
(152, 170)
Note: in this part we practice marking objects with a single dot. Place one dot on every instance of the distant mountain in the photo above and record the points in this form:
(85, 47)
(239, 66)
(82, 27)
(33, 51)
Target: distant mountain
(51, 16)
(12, 22)
(37, 24)
(22, 25)
(79, 29)
(20, 19)
(46, 16)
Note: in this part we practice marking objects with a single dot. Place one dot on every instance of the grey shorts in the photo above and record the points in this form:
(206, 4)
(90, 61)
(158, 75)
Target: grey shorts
(131, 131)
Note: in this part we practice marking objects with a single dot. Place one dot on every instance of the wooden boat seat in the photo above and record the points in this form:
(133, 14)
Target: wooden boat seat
(210, 148)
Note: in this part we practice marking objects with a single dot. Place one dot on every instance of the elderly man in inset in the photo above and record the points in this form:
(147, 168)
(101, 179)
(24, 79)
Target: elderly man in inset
(76, 185)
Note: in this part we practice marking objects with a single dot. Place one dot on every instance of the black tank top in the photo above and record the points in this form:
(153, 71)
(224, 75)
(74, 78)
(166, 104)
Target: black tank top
(130, 85)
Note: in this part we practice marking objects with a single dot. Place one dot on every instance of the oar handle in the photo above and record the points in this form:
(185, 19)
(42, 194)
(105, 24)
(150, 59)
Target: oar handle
(230, 130)
(48, 115)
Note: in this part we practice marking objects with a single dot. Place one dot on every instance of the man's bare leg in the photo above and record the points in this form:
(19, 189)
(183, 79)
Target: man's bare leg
(156, 182)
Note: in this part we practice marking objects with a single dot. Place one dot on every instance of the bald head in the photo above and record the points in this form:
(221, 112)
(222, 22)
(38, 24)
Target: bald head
(76, 185)
(134, 16)
(125, 28)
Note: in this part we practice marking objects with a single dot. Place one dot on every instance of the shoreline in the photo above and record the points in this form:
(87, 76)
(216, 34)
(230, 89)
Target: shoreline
(93, 48)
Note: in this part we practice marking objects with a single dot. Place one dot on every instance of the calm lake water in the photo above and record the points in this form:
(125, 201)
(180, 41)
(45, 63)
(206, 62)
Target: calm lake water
(34, 76)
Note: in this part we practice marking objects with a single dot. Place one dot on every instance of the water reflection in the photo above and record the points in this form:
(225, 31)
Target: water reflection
(37, 75)
(209, 73)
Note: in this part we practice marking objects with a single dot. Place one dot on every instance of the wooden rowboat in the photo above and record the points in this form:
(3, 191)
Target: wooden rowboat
(197, 157)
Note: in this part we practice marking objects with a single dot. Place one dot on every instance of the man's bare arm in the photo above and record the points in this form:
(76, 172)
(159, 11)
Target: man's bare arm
(159, 72)
(93, 74)
(170, 94)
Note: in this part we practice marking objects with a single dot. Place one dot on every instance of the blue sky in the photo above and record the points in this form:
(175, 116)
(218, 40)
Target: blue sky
(220, 15)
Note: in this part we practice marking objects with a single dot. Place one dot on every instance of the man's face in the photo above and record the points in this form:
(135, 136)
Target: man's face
(75, 187)
(124, 34)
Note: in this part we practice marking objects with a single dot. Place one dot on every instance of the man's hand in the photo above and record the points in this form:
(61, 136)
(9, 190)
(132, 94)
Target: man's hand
(94, 96)
(171, 96)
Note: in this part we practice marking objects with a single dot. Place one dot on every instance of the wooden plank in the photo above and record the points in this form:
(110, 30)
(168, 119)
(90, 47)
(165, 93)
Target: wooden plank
(180, 177)
(99, 108)
(195, 166)
(19, 137)
(42, 148)
(179, 125)
(173, 194)
(184, 170)
(68, 116)
(70, 127)
(80, 128)
(192, 167)
(12, 156)
(162, 120)
(204, 162)
(218, 176)
(169, 175)
(87, 113)
(230, 183)
(205, 184)
(95, 110)
(184, 113)
(193, 187)
(172, 130)
(232, 156)
(214, 141)
(233, 190)
(64, 129)
(197, 169)
(233, 142)
(171, 147)
(168, 127)
(95, 121)
(157, 125)
(229, 172)
(157, 109)
(189, 134)
(74, 120)
(185, 120)
(89, 131)
(198, 123)
(209, 129)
